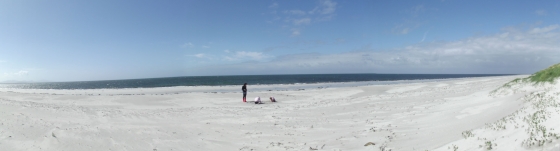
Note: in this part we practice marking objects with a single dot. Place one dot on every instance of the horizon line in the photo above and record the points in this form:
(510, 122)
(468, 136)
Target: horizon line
(29, 82)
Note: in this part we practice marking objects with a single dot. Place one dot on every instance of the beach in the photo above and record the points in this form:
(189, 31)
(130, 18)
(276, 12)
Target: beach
(424, 115)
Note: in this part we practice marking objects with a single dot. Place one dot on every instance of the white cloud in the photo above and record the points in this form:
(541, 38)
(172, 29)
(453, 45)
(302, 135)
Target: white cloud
(541, 12)
(295, 12)
(190, 45)
(325, 7)
(229, 56)
(206, 47)
(302, 21)
(323, 11)
(19, 73)
(416, 10)
(411, 21)
(295, 32)
(247, 55)
(251, 55)
(402, 29)
(199, 55)
(505, 52)
(273, 5)
(544, 29)
(424, 37)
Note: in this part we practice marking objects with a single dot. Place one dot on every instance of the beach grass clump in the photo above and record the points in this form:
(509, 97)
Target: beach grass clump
(488, 145)
(547, 75)
(467, 134)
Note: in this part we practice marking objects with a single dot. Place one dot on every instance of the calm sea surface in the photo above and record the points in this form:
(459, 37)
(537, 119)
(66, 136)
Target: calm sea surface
(236, 80)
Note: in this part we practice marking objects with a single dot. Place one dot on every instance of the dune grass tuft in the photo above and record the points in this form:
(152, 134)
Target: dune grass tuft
(546, 75)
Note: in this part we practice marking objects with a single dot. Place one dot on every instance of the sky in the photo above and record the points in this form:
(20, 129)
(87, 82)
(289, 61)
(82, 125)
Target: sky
(67, 40)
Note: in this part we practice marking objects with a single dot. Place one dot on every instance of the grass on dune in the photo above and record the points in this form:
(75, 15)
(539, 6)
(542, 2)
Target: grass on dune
(547, 75)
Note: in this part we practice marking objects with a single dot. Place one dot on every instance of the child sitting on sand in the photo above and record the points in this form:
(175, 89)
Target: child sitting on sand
(272, 99)
(258, 100)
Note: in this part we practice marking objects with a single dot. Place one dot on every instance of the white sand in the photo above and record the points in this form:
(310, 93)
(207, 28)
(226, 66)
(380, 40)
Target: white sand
(414, 116)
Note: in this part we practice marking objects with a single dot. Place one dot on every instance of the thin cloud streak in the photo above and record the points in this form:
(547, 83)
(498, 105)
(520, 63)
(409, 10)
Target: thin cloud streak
(19, 73)
(199, 55)
(273, 5)
(325, 7)
(296, 18)
(189, 45)
(295, 12)
(541, 12)
(303, 21)
(424, 37)
(247, 55)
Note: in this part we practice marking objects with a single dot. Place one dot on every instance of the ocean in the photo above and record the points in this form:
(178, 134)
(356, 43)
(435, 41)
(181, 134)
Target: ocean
(236, 80)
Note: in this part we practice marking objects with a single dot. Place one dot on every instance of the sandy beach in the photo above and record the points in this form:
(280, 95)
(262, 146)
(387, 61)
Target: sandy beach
(456, 114)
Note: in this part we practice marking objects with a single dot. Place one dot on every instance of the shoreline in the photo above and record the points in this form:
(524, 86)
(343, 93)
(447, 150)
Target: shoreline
(235, 89)
(7, 85)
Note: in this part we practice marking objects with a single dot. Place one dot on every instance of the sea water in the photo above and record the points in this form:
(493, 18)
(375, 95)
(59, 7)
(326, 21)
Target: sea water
(236, 80)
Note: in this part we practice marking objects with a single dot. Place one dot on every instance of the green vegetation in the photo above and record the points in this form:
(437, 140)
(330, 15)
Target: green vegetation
(467, 134)
(546, 75)
(489, 145)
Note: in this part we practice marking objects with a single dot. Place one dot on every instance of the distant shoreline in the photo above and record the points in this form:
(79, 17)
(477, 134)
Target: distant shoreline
(253, 86)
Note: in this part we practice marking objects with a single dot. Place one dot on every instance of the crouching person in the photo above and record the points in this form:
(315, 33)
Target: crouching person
(258, 100)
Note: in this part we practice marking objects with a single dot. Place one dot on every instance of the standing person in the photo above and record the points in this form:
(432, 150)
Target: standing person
(244, 89)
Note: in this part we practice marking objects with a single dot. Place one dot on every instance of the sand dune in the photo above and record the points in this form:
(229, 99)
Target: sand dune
(407, 116)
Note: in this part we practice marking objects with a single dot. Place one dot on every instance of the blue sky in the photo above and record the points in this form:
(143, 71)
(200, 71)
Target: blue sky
(100, 40)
